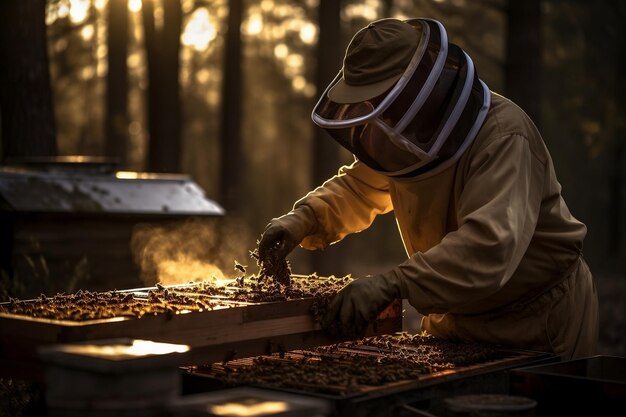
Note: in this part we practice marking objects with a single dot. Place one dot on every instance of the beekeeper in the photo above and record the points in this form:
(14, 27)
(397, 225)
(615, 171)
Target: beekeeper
(494, 254)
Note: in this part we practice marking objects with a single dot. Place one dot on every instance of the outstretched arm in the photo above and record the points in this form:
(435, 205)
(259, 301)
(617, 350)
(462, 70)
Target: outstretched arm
(346, 203)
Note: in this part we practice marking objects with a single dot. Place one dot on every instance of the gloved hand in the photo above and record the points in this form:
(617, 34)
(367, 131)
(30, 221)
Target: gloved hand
(360, 302)
(284, 233)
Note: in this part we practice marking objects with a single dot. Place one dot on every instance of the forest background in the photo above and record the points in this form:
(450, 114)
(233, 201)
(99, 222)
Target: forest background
(222, 90)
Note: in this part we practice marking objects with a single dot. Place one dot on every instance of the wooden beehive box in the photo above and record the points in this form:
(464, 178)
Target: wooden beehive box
(232, 330)
(67, 223)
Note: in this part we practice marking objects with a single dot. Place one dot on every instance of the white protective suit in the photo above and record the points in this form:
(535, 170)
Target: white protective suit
(494, 254)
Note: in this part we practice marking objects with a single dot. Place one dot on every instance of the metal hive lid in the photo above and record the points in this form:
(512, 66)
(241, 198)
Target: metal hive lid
(92, 185)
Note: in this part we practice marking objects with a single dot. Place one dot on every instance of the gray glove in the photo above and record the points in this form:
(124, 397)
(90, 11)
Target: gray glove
(284, 233)
(360, 302)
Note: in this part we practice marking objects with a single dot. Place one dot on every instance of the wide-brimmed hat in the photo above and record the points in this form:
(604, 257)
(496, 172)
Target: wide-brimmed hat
(375, 59)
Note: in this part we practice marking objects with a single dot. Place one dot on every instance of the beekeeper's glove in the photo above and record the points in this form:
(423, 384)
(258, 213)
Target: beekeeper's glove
(286, 232)
(360, 302)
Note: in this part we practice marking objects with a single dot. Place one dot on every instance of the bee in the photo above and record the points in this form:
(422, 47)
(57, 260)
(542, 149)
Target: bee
(239, 267)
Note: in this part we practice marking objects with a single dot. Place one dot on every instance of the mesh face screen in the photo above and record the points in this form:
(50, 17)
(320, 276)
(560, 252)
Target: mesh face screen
(423, 120)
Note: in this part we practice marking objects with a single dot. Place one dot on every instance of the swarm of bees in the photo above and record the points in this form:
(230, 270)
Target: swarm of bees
(88, 305)
(273, 283)
(273, 268)
(192, 297)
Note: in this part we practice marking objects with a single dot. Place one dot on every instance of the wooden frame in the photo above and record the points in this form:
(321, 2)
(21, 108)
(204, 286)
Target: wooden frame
(245, 329)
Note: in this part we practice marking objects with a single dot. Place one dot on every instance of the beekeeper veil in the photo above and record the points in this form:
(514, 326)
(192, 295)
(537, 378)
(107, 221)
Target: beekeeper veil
(406, 100)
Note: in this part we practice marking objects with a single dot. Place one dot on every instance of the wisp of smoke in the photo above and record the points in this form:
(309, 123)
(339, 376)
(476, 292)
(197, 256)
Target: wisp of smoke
(191, 250)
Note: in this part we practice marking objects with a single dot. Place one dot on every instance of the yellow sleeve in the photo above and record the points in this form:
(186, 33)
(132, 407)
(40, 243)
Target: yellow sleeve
(498, 209)
(346, 203)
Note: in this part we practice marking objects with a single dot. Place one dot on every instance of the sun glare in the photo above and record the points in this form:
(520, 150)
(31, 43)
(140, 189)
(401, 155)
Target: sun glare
(63, 10)
(366, 10)
(267, 5)
(123, 351)
(239, 409)
(308, 33)
(79, 10)
(281, 51)
(87, 32)
(254, 26)
(199, 31)
(134, 5)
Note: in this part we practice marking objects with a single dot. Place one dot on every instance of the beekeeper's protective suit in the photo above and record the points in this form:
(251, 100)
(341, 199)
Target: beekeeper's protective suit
(494, 254)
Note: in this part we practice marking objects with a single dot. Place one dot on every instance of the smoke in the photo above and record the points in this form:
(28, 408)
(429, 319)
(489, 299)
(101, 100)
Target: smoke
(192, 250)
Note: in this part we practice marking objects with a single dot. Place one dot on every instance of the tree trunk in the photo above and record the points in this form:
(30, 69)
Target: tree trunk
(329, 61)
(387, 8)
(116, 119)
(523, 68)
(325, 150)
(230, 117)
(616, 211)
(164, 112)
(617, 227)
(26, 113)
